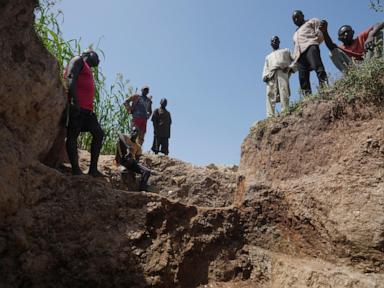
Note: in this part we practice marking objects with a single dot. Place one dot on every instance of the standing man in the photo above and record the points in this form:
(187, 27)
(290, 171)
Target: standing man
(140, 106)
(81, 93)
(307, 39)
(366, 45)
(277, 69)
(162, 121)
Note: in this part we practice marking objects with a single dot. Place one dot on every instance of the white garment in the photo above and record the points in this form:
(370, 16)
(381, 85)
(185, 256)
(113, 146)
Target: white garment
(278, 79)
(278, 86)
(306, 35)
(278, 59)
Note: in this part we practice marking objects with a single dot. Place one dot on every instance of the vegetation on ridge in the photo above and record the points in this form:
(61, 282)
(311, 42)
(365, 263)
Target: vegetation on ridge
(365, 82)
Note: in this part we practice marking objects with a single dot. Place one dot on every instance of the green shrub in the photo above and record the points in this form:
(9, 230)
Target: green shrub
(364, 82)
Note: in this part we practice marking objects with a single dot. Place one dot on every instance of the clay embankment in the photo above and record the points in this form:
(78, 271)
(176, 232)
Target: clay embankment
(309, 209)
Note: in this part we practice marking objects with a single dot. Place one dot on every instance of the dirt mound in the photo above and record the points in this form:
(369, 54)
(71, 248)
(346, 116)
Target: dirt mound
(211, 185)
(80, 232)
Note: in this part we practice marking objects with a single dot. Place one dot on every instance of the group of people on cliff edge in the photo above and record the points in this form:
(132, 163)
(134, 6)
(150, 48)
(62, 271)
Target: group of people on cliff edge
(281, 63)
(82, 118)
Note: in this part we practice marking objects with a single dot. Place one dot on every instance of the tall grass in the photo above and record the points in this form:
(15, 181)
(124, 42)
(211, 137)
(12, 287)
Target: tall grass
(108, 100)
(47, 26)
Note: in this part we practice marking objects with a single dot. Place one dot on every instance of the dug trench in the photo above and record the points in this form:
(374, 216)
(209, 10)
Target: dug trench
(304, 208)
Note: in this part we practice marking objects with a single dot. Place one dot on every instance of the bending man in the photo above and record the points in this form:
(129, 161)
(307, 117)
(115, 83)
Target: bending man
(365, 46)
(128, 154)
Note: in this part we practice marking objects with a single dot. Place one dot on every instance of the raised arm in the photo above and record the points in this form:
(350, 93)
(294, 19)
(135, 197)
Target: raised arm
(129, 102)
(327, 39)
(376, 28)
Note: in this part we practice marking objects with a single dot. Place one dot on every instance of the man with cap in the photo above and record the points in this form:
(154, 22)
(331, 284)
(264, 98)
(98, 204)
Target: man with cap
(307, 39)
(140, 106)
(162, 121)
(277, 69)
(367, 44)
(81, 93)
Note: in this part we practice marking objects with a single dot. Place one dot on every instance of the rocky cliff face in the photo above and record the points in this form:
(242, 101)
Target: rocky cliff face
(31, 98)
(307, 210)
(326, 165)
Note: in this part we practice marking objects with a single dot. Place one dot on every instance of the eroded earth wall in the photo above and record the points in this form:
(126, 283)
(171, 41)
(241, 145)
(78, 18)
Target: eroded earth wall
(31, 98)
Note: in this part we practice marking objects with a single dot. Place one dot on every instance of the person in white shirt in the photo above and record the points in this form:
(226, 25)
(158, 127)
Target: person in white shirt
(307, 39)
(277, 69)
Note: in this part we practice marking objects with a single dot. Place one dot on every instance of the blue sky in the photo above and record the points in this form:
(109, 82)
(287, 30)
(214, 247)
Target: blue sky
(205, 56)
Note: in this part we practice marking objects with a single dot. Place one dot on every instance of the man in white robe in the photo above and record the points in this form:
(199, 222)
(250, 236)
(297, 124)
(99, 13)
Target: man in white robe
(277, 69)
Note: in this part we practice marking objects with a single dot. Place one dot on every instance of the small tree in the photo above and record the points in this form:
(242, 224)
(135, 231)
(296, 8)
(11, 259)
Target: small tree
(376, 5)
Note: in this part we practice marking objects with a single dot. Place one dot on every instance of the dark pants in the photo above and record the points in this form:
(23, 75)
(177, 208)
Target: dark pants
(160, 144)
(83, 121)
(309, 61)
(132, 165)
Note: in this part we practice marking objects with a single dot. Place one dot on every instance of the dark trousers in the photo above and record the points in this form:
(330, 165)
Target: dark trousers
(309, 61)
(83, 121)
(132, 165)
(160, 144)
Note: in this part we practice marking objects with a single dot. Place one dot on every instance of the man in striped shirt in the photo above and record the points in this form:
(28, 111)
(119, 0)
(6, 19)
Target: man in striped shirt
(307, 39)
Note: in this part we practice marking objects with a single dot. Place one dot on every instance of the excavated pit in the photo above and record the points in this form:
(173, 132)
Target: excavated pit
(305, 208)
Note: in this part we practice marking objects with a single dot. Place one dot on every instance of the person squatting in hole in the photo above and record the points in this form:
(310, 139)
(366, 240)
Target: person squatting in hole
(128, 153)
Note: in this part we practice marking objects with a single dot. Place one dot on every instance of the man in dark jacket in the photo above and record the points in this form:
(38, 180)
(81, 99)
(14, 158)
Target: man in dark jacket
(162, 121)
